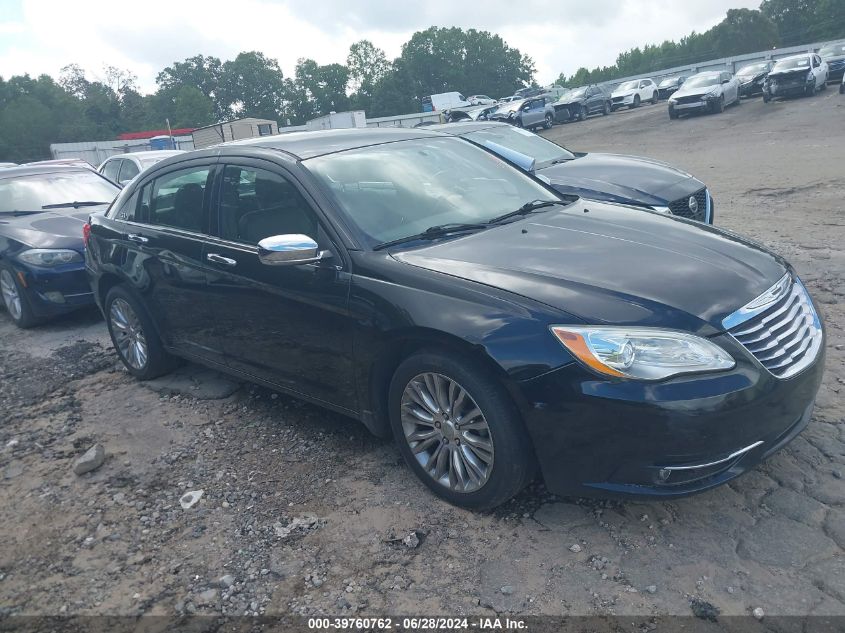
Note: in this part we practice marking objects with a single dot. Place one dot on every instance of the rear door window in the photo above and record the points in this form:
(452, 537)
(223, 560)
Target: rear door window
(179, 199)
(111, 169)
(128, 171)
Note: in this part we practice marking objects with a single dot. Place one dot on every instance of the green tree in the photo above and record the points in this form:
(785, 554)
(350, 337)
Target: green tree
(202, 72)
(318, 90)
(744, 31)
(191, 108)
(446, 59)
(253, 85)
(367, 66)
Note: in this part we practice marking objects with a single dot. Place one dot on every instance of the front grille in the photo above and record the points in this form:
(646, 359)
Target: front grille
(780, 328)
(689, 99)
(839, 64)
(681, 206)
(618, 99)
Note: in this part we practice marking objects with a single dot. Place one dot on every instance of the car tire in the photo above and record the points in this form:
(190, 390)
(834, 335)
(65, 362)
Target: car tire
(719, 106)
(842, 88)
(517, 121)
(606, 109)
(582, 113)
(766, 97)
(672, 113)
(15, 299)
(654, 99)
(497, 424)
(550, 121)
(636, 103)
(134, 336)
(824, 85)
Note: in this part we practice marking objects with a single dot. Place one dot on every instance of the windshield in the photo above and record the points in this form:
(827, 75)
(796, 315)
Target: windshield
(32, 193)
(149, 162)
(544, 152)
(792, 64)
(400, 189)
(668, 82)
(629, 85)
(753, 69)
(510, 106)
(578, 92)
(832, 51)
(701, 81)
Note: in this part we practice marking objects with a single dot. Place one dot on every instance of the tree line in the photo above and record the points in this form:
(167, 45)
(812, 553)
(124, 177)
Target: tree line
(776, 23)
(202, 90)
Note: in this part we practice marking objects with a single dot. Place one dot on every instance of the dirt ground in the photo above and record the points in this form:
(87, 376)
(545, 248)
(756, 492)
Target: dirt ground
(303, 512)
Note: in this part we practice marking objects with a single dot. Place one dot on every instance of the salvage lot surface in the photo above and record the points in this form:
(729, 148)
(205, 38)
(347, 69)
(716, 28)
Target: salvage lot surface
(303, 512)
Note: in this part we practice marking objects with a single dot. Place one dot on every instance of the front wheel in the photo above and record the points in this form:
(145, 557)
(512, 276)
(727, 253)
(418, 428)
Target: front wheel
(824, 84)
(672, 113)
(719, 105)
(606, 109)
(15, 299)
(549, 122)
(766, 97)
(458, 430)
(636, 103)
(582, 113)
(134, 336)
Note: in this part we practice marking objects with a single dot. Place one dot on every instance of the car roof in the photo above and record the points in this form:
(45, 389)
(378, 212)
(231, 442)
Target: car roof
(158, 153)
(798, 56)
(304, 145)
(34, 170)
(464, 127)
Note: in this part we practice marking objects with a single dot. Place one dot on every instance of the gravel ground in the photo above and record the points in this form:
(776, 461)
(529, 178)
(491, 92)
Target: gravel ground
(302, 512)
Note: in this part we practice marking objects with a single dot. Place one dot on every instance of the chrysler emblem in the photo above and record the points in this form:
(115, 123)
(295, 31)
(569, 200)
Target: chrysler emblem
(693, 204)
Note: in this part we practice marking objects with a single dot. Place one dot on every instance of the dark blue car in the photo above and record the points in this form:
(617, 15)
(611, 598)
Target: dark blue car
(42, 263)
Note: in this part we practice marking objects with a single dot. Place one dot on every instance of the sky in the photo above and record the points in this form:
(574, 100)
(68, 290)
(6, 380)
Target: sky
(42, 36)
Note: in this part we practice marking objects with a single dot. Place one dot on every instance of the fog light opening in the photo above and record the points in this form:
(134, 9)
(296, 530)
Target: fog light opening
(663, 475)
(55, 296)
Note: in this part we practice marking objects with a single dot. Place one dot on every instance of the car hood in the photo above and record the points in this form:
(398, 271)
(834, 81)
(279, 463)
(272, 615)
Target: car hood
(747, 79)
(606, 264)
(51, 229)
(793, 72)
(697, 90)
(622, 93)
(624, 179)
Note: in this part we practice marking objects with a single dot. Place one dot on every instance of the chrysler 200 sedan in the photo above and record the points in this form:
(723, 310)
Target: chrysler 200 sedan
(429, 288)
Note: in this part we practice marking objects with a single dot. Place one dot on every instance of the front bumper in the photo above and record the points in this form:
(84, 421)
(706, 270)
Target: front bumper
(705, 102)
(57, 290)
(599, 437)
(751, 88)
(789, 88)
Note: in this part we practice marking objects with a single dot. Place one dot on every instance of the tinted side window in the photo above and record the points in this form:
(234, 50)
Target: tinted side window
(178, 199)
(111, 168)
(128, 171)
(255, 203)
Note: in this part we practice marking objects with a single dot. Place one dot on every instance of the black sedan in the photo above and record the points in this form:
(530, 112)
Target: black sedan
(631, 180)
(42, 212)
(428, 288)
(669, 86)
(752, 77)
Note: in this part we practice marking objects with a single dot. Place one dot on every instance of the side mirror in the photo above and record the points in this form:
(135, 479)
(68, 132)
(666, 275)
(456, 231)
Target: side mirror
(288, 250)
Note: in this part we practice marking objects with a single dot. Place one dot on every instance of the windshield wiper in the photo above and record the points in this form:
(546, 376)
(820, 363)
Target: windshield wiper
(525, 209)
(75, 204)
(432, 232)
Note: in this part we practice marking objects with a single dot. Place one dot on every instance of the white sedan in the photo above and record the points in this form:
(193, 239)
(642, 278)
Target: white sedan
(481, 100)
(633, 93)
(802, 74)
(709, 91)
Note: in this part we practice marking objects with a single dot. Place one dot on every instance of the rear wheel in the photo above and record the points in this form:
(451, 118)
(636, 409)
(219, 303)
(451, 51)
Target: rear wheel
(134, 336)
(654, 98)
(15, 299)
(458, 430)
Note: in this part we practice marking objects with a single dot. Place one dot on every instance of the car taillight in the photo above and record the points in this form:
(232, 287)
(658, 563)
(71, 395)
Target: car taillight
(86, 233)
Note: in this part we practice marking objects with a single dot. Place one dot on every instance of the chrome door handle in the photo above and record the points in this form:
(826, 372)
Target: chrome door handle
(134, 237)
(219, 259)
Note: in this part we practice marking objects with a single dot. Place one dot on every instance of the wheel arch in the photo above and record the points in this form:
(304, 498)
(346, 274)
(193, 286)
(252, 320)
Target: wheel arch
(401, 344)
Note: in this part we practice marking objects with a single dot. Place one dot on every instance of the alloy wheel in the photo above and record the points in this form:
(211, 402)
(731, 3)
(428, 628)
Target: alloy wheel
(11, 295)
(128, 333)
(447, 432)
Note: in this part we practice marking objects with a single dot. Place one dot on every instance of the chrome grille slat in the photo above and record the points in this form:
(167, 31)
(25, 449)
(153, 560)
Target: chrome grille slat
(786, 336)
(768, 318)
(680, 207)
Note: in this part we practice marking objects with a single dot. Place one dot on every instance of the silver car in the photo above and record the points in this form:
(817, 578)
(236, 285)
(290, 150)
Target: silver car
(122, 168)
(528, 113)
(709, 91)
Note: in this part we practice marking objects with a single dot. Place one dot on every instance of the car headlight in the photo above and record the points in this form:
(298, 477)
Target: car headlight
(49, 256)
(810, 76)
(511, 114)
(641, 353)
(665, 210)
